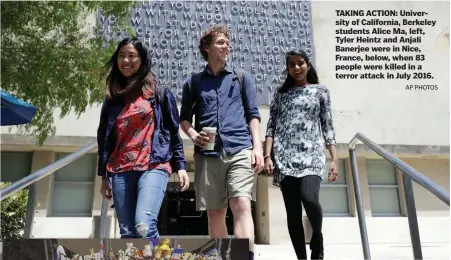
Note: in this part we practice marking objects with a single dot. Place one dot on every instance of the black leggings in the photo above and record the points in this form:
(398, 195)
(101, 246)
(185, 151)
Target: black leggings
(305, 190)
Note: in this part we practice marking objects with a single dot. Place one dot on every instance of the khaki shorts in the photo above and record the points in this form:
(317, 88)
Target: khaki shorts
(218, 179)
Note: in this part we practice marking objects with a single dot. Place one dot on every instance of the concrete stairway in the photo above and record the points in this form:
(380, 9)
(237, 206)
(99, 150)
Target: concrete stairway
(432, 251)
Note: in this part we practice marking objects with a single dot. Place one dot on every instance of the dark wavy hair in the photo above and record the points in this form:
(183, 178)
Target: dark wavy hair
(312, 77)
(141, 83)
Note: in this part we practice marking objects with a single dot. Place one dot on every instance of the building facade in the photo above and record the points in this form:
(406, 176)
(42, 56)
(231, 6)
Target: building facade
(411, 124)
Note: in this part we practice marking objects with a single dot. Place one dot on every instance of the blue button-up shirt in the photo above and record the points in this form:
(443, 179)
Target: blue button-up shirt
(219, 101)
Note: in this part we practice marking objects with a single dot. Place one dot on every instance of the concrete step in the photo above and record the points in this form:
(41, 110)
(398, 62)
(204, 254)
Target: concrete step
(432, 251)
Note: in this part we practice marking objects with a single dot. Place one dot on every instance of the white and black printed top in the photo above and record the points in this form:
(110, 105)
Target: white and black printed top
(300, 122)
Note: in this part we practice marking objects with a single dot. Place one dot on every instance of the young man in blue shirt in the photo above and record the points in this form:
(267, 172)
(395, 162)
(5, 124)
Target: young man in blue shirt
(223, 98)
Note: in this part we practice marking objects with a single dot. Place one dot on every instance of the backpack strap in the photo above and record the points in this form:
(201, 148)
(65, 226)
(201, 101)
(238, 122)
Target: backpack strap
(162, 101)
(239, 74)
(160, 96)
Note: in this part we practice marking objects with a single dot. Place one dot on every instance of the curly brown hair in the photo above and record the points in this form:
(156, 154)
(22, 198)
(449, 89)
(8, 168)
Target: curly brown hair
(208, 36)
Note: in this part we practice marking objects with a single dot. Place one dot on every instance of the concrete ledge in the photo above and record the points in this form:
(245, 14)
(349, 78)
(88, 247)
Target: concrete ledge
(340, 251)
(22, 142)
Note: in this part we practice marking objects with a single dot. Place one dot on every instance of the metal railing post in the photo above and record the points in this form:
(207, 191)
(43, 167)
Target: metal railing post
(360, 212)
(409, 175)
(229, 249)
(31, 207)
(46, 249)
(412, 217)
(104, 245)
(103, 220)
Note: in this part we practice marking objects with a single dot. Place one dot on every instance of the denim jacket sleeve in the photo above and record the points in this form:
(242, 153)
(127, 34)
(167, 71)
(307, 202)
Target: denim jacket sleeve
(178, 161)
(101, 168)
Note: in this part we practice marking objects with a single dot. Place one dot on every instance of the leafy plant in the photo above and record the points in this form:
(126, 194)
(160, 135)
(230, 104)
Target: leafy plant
(51, 56)
(13, 211)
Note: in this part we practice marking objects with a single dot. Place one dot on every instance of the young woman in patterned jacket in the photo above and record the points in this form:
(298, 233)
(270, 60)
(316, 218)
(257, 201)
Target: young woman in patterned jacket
(300, 123)
(139, 141)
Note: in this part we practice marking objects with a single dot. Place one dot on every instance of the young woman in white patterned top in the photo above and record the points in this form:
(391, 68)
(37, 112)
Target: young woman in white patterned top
(300, 124)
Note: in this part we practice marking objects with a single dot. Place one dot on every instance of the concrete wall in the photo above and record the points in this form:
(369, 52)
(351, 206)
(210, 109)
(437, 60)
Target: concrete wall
(438, 172)
(382, 109)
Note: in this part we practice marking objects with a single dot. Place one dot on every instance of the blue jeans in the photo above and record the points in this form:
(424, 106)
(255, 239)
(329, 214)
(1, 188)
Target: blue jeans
(137, 199)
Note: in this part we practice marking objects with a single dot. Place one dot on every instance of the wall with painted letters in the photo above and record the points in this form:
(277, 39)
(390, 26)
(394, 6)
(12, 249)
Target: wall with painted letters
(262, 31)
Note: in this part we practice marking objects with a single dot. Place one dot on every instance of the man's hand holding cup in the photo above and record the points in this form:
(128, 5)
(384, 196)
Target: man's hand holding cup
(206, 138)
(201, 139)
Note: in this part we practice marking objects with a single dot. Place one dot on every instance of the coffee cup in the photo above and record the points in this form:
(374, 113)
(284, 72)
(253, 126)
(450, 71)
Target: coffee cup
(211, 132)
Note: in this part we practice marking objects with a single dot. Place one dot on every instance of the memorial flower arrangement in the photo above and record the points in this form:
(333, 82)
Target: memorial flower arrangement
(160, 251)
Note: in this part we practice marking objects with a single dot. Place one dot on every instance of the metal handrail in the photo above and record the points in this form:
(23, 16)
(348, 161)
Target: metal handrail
(44, 172)
(30, 182)
(409, 174)
(419, 178)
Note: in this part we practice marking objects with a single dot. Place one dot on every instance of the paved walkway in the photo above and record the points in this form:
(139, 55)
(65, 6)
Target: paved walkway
(433, 251)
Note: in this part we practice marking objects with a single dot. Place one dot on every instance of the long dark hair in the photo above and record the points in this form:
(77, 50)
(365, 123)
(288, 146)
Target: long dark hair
(141, 83)
(312, 77)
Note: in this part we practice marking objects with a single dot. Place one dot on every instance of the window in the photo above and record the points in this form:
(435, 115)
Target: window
(383, 186)
(73, 187)
(333, 196)
(15, 165)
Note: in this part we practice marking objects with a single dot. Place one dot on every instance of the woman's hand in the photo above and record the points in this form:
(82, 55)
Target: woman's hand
(183, 179)
(269, 166)
(105, 190)
(333, 171)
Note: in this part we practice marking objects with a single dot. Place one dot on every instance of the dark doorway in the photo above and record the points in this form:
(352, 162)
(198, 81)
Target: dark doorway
(178, 215)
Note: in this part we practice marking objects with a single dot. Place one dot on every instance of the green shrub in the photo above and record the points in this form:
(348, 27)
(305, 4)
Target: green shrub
(13, 212)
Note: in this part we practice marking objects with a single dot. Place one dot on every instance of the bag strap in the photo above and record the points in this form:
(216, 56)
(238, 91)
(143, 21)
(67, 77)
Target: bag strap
(160, 96)
(239, 74)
